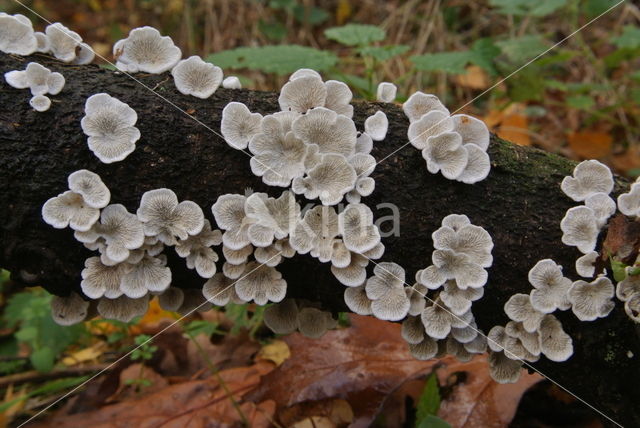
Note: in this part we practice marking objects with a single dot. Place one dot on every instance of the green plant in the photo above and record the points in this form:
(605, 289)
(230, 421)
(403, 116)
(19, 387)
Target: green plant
(428, 405)
(144, 350)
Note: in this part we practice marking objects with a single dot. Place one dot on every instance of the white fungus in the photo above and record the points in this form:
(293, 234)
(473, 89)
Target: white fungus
(445, 153)
(171, 299)
(207, 237)
(364, 143)
(420, 104)
(376, 126)
(429, 125)
(503, 369)
(468, 239)
(282, 318)
(425, 350)
(302, 94)
(69, 209)
(386, 290)
(261, 284)
(589, 177)
(357, 300)
(632, 308)
(386, 92)
(603, 207)
(353, 275)
(232, 271)
(580, 228)
(304, 72)
(550, 287)
(356, 226)
(555, 344)
(231, 217)
(69, 310)
(478, 165)
(270, 218)
(123, 308)
(167, 219)
(90, 186)
(330, 131)
(109, 124)
(220, 290)
(16, 35)
(518, 308)
(363, 164)
(238, 256)
(472, 130)
(146, 50)
(585, 265)
(314, 323)
(193, 76)
(629, 203)
(447, 265)
(44, 45)
(100, 280)
(231, 82)
(329, 180)
(66, 45)
(149, 274)
(591, 300)
(39, 79)
(339, 98)
(416, 295)
(239, 125)
(458, 300)
(40, 103)
(628, 287)
(412, 330)
(316, 232)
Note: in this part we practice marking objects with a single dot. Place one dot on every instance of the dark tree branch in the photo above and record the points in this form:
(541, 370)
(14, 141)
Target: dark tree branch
(520, 204)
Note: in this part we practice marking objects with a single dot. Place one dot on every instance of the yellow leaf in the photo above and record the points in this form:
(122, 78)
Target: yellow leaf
(87, 354)
(276, 351)
(10, 413)
(590, 145)
(474, 78)
(343, 11)
(514, 125)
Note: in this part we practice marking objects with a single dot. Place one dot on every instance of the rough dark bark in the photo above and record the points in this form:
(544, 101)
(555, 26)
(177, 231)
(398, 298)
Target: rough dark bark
(520, 204)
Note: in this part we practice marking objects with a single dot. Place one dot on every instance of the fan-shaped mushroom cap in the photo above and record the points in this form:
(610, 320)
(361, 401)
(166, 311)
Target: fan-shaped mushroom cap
(261, 284)
(329, 180)
(457, 349)
(340, 255)
(473, 130)
(393, 306)
(16, 35)
(220, 290)
(585, 265)
(376, 126)
(364, 143)
(386, 92)
(314, 323)
(363, 164)
(304, 72)
(530, 340)
(376, 252)
(420, 104)
(477, 345)
(339, 98)
(412, 330)
(120, 230)
(603, 207)
(43, 42)
(167, 219)
(445, 153)
(465, 334)
(89, 184)
(550, 287)
(69, 310)
(478, 165)
(231, 217)
(69, 209)
(468, 239)
(203, 260)
(282, 318)
(357, 229)
(589, 177)
(503, 369)
(425, 350)
(231, 82)
(100, 280)
(457, 300)
(448, 264)
(632, 308)
(285, 248)
(628, 287)
(437, 320)
(353, 275)
(269, 256)
(39, 79)
(519, 308)
(40, 103)
(171, 299)
(429, 125)
(123, 308)
(555, 344)
(496, 338)
(194, 301)
(629, 203)
(109, 124)
(206, 238)
(146, 50)
(580, 229)
(330, 131)
(239, 125)
(387, 277)
(149, 274)
(316, 232)
(591, 300)
(416, 296)
(270, 218)
(237, 257)
(302, 94)
(62, 41)
(232, 271)
(456, 221)
(357, 300)
(84, 54)
(193, 76)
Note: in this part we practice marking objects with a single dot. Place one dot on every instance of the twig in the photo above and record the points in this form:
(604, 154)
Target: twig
(35, 376)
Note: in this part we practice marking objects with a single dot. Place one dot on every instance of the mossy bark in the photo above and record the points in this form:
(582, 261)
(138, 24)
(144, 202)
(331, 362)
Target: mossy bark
(520, 204)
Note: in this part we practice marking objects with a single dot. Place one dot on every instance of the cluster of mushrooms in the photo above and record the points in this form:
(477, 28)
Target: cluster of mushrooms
(310, 148)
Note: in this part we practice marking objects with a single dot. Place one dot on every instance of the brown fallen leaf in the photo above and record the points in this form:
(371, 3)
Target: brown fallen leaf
(135, 380)
(474, 78)
(590, 144)
(276, 351)
(192, 404)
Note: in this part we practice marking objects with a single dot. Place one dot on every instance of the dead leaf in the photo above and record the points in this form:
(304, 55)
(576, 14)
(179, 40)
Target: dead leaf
(474, 78)
(137, 379)
(276, 351)
(479, 401)
(10, 413)
(336, 410)
(87, 354)
(623, 238)
(628, 160)
(232, 351)
(590, 144)
(514, 128)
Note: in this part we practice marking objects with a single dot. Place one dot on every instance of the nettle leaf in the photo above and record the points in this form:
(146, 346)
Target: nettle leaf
(383, 53)
(538, 8)
(355, 34)
(482, 54)
(629, 39)
(593, 8)
(314, 16)
(485, 51)
(280, 59)
(429, 401)
(521, 49)
(581, 102)
(546, 7)
(43, 359)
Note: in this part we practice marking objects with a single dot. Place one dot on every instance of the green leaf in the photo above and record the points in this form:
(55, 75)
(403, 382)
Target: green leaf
(432, 421)
(522, 49)
(272, 30)
(280, 59)
(47, 388)
(429, 401)
(197, 327)
(546, 7)
(593, 8)
(629, 39)
(527, 85)
(383, 53)
(315, 16)
(539, 8)
(556, 85)
(449, 62)
(43, 359)
(484, 53)
(581, 102)
(355, 34)
(618, 269)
